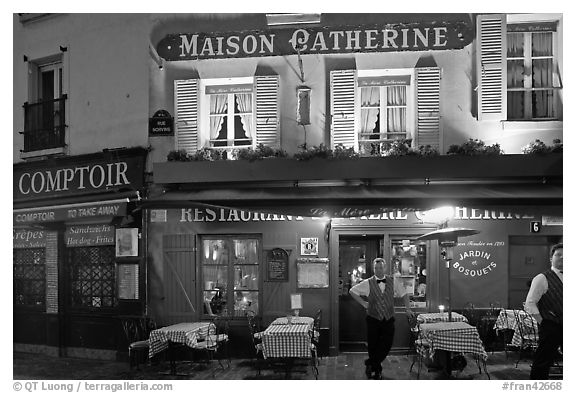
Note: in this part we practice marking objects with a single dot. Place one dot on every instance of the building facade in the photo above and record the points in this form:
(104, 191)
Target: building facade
(160, 122)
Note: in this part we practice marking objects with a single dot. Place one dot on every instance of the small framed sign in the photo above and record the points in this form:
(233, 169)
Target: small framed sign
(127, 242)
(296, 301)
(161, 124)
(309, 246)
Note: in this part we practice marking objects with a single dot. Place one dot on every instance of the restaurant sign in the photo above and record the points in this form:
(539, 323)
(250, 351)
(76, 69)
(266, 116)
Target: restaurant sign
(28, 238)
(89, 235)
(320, 40)
(64, 213)
(110, 172)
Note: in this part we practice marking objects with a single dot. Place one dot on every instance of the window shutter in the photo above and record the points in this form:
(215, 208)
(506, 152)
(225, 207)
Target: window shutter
(342, 99)
(428, 96)
(186, 99)
(491, 67)
(267, 118)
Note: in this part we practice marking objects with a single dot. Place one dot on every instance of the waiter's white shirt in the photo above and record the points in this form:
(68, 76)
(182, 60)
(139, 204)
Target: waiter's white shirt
(363, 288)
(538, 288)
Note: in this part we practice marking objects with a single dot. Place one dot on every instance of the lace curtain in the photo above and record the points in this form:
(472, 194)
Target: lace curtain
(397, 116)
(218, 106)
(370, 97)
(244, 102)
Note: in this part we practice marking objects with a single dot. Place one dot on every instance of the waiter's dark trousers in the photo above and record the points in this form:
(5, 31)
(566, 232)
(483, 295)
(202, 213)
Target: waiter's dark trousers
(380, 336)
(550, 338)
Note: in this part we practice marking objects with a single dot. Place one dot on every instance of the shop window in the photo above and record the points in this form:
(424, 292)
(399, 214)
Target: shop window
(230, 275)
(408, 266)
(91, 277)
(44, 113)
(29, 277)
(532, 92)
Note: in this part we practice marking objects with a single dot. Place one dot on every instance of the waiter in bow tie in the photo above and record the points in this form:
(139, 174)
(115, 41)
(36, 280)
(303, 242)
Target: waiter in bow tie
(544, 303)
(376, 295)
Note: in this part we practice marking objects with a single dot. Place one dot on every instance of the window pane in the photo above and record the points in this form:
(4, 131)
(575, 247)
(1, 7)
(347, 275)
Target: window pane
(215, 252)
(515, 105)
(215, 302)
(396, 95)
(215, 277)
(244, 301)
(218, 104)
(370, 96)
(245, 251)
(515, 73)
(515, 43)
(397, 122)
(542, 44)
(246, 277)
(542, 73)
(409, 270)
(543, 104)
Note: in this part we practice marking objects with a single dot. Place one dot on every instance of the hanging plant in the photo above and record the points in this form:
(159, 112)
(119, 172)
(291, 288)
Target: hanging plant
(539, 147)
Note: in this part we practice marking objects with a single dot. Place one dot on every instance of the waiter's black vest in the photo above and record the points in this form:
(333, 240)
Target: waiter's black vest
(381, 304)
(550, 304)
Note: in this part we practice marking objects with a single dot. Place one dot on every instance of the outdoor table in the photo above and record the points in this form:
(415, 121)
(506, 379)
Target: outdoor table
(507, 320)
(440, 317)
(186, 333)
(288, 341)
(294, 321)
(453, 337)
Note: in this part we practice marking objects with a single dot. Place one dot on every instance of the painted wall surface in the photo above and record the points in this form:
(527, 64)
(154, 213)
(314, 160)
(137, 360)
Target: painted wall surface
(457, 87)
(105, 77)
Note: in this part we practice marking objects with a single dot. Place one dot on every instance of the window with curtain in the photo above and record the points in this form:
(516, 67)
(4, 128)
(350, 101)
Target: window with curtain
(532, 79)
(230, 268)
(384, 110)
(231, 116)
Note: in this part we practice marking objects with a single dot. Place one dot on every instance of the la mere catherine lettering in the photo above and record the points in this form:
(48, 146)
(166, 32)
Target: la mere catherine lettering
(233, 215)
(305, 41)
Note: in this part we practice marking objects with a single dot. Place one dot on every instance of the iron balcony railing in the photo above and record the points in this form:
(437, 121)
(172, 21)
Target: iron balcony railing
(44, 124)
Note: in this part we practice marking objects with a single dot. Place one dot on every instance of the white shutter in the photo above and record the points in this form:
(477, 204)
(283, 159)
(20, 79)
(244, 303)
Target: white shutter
(428, 97)
(186, 103)
(267, 118)
(491, 67)
(342, 101)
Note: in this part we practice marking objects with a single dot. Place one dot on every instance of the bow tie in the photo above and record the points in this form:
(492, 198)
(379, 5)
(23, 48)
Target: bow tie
(379, 281)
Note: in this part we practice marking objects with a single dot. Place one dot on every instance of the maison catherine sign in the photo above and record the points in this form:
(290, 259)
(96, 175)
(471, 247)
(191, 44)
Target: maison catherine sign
(320, 40)
(108, 173)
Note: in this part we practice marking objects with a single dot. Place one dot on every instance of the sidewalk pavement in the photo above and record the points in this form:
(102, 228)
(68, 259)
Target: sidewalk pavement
(345, 366)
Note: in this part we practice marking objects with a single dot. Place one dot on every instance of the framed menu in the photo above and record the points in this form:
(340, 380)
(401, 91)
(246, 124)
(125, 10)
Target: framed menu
(128, 281)
(313, 272)
(277, 265)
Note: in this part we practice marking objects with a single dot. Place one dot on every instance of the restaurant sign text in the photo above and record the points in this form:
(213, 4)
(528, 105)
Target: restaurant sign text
(89, 235)
(64, 213)
(319, 40)
(28, 238)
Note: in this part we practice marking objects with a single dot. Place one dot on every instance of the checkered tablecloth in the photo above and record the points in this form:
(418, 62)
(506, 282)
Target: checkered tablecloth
(452, 336)
(187, 333)
(286, 341)
(295, 321)
(506, 320)
(440, 317)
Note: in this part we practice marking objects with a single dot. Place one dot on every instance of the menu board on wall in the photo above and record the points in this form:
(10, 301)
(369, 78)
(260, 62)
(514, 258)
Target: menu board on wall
(277, 265)
(313, 272)
(128, 281)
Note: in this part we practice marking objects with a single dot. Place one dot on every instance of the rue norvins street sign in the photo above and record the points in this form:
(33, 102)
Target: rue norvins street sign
(319, 40)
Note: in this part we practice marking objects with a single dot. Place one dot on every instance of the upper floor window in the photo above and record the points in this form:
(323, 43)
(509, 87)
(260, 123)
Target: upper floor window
(44, 113)
(532, 77)
(386, 108)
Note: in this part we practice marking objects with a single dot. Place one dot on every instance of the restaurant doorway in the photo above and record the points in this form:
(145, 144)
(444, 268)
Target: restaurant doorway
(355, 264)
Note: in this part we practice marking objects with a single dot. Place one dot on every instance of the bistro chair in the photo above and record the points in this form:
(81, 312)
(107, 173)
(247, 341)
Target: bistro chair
(209, 348)
(256, 338)
(137, 330)
(222, 338)
(470, 313)
(314, 354)
(316, 329)
(505, 334)
(421, 347)
(528, 334)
